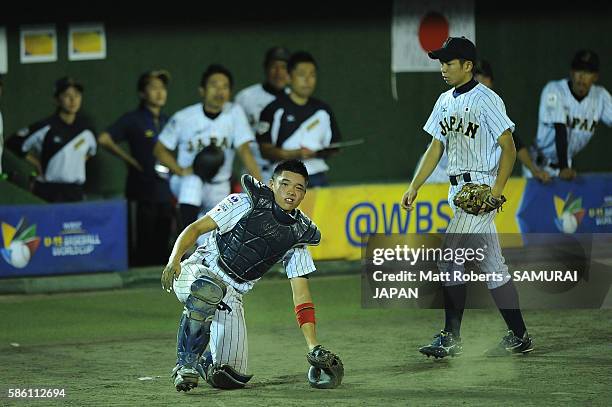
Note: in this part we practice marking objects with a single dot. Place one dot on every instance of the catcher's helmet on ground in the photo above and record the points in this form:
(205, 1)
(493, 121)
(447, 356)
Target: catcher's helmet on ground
(207, 162)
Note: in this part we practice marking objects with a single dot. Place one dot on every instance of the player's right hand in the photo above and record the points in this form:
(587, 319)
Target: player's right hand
(306, 153)
(409, 198)
(567, 174)
(170, 273)
(542, 176)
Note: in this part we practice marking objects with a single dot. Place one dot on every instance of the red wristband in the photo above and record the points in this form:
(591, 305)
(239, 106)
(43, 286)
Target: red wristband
(305, 313)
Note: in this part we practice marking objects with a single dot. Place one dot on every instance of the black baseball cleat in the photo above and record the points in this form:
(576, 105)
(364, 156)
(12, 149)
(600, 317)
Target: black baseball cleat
(444, 344)
(512, 345)
(185, 378)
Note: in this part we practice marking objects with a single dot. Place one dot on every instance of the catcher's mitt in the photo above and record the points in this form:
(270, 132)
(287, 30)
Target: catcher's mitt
(207, 162)
(477, 198)
(326, 370)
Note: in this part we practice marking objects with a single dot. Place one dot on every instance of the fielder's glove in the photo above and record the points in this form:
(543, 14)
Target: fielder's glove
(477, 198)
(326, 370)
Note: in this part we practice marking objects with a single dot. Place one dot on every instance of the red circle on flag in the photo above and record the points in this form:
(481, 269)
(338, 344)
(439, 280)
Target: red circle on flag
(433, 31)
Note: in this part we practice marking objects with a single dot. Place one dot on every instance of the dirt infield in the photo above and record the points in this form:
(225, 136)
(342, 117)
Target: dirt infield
(97, 345)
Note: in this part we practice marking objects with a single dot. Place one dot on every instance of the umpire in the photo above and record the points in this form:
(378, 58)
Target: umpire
(150, 212)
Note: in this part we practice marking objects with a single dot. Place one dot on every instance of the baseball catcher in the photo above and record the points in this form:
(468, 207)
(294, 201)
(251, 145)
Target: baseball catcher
(207, 162)
(252, 231)
(478, 198)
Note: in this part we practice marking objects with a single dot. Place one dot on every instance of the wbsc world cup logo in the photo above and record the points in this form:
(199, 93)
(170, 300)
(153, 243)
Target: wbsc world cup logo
(20, 243)
(569, 213)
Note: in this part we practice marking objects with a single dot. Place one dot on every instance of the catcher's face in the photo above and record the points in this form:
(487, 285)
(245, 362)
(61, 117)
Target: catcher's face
(456, 73)
(289, 189)
(216, 93)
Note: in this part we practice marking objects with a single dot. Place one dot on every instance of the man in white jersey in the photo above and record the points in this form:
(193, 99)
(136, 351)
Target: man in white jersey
(570, 110)
(483, 73)
(254, 98)
(251, 232)
(469, 121)
(214, 121)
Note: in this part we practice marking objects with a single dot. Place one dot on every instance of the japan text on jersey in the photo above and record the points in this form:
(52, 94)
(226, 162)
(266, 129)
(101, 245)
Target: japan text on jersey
(581, 117)
(469, 125)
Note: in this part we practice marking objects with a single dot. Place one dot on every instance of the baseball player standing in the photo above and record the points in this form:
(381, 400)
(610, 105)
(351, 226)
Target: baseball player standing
(214, 121)
(251, 231)
(483, 73)
(570, 110)
(469, 121)
(254, 98)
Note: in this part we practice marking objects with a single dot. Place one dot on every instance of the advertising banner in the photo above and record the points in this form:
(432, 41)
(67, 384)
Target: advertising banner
(63, 238)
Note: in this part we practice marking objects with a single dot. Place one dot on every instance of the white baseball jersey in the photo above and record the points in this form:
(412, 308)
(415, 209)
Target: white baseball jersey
(469, 125)
(290, 126)
(190, 130)
(62, 149)
(558, 105)
(228, 330)
(469, 122)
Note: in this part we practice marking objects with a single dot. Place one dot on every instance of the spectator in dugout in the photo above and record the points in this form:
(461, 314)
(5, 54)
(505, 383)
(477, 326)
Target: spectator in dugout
(150, 209)
(59, 146)
(298, 126)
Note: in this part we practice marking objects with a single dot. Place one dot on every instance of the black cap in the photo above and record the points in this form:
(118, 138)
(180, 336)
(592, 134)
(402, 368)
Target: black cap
(455, 48)
(276, 54)
(585, 60)
(64, 83)
(483, 67)
(145, 77)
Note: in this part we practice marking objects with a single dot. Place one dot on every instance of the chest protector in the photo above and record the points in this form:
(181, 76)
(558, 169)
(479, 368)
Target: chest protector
(263, 236)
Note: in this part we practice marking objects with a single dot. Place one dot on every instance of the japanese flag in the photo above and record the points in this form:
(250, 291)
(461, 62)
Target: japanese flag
(420, 27)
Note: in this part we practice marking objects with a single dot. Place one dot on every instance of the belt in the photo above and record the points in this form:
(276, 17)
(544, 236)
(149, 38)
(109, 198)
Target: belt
(454, 179)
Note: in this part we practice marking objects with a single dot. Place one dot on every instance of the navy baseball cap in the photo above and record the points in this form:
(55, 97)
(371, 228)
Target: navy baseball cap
(455, 48)
(276, 54)
(66, 82)
(585, 60)
(146, 77)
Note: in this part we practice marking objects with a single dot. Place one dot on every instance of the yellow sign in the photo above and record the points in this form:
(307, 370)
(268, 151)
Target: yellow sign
(38, 44)
(347, 215)
(86, 41)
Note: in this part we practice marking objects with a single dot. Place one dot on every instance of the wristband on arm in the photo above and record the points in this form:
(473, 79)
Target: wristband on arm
(305, 313)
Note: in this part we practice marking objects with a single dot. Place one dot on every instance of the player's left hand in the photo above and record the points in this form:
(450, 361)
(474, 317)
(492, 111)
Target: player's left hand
(409, 198)
(170, 273)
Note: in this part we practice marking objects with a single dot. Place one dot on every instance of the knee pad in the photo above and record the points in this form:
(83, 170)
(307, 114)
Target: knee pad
(225, 377)
(206, 295)
(194, 328)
